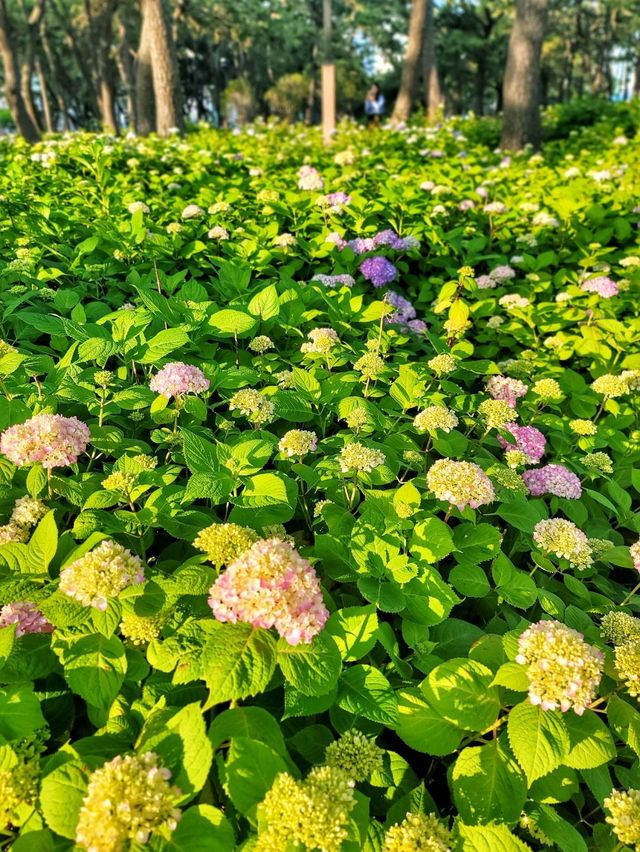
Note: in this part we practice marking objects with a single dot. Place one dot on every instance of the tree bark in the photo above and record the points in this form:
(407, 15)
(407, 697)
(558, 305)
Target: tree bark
(145, 101)
(433, 99)
(404, 101)
(521, 88)
(100, 21)
(164, 69)
(44, 95)
(126, 68)
(23, 121)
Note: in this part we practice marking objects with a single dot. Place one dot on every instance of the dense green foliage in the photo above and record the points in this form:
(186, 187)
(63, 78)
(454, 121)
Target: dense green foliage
(110, 272)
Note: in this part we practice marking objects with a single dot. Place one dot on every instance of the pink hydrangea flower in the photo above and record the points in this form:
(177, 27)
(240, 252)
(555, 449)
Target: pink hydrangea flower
(601, 285)
(51, 439)
(508, 389)
(634, 550)
(309, 178)
(271, 585)
(529, 441)
(177, 378)
(26, 616)
(486, 282)
(466, 204)
(553, 479)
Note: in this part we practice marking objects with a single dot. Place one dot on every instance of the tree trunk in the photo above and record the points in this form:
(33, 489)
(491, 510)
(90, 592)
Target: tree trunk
(164, 68)
(125, 64)
(100, 21)
(433, 99)
(404, 101)
(636, 79)
(44, 95)
(23, 121)
(521, 88)
(145, 101)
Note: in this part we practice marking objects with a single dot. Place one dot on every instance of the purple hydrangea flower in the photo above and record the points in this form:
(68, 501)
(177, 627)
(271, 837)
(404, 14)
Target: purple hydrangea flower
(601, 285)
(404, 309)
(529, 440)
(332, 281)
(379, 271)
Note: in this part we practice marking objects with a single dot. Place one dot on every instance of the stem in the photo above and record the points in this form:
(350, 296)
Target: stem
(630, 595)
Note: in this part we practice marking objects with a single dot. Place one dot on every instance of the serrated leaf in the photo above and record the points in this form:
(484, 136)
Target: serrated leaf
(488, 785)
(312, 668)
(539, 739)
(365, 691)
(237, 661)
(489, 838)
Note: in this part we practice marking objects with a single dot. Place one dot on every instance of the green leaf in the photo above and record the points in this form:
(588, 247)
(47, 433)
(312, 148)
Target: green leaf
(20, 713)
(265, 304)
(202, 828)
(163, 343)
(354, 630)
(539, 739)
(61, 796)
(253, 723)
(179, 738)
(200, 455)
(267, 498)
(250, 770)
(460, 690)
(365, 691)
(488, 785)
(489, 838)
(625, 722)
(513, 676)
(431, 540)
(469, 580)
(523, 514)
(557, 829)
(313, 668)
(590, 743)
(43, 544)
(237, 661)
(94, 668)
(233, 323)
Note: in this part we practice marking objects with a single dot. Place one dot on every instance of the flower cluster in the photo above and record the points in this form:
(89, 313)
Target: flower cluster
(26, 616)
(357, 755)
(379, 271)
(370, 365)
(271, 585)
(435, 417)
(313, 813)
(140, 630)
(261, 344)
(333, 281)
(224, 542)
(553, 479)
(321, 340)
(627, 659)
(442, 365)
(101, 574)
(610, 386)
(529, 440)
(618, 627)
(26, 513)
(624, 816)
(298, 442)
(192, 211)
(496, 413)
(128, 799)
(503, 387)
(177, 378)
(460, 483)
(601, 285)
(598, 462)
(218, 233)
(513, 300)
(564, 540)
(418, 831)
(583, 427)
(309, 178)
(51, 439)
(634, 550)
(252, 405)
(404, 311)
(564, 671)
(356, 458)
(548, 390)
(334, 201)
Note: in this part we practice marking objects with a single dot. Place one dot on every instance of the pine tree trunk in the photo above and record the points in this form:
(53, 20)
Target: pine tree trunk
(19, 112)
(44, 95)
(404, 101)
(521, 89)
(164, 68)
(100, 20)
(125, 65)
(431, 80)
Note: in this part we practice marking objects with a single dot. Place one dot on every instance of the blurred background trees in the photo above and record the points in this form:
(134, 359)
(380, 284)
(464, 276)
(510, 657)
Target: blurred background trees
(154, 64)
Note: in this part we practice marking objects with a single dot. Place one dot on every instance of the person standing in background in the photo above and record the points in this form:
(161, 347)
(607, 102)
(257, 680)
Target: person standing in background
(374, 105)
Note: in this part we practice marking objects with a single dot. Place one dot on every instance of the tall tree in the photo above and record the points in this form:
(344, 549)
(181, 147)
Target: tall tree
(431, 80)
(409, 78)
(156, 43)
(521, 89)
(21, 113)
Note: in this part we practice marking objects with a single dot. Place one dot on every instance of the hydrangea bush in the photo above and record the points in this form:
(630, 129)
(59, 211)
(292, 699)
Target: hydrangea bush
(319, 486)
